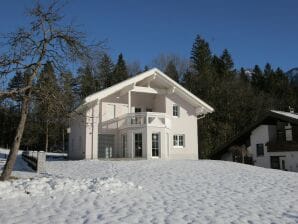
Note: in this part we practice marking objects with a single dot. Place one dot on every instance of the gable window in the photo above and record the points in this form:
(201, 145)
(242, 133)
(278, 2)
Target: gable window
(176, 110)
(178, 141)
(260, 149)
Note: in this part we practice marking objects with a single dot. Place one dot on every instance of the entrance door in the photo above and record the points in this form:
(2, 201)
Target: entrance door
(275, 164)
(155, 144)
(138, 144)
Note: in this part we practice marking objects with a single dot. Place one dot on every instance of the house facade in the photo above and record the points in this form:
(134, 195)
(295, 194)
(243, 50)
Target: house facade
(271, 142)
(147, 116)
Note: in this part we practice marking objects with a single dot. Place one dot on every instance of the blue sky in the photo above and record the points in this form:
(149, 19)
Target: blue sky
(255, 32)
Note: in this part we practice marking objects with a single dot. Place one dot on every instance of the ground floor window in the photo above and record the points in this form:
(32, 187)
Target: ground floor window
(178, 140)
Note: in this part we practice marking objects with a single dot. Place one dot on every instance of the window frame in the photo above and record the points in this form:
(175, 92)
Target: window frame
(176, 141)
(174, 110)
(257, 149)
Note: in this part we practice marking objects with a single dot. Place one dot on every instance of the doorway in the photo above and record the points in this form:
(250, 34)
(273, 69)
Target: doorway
(138, 144)
(105, 145)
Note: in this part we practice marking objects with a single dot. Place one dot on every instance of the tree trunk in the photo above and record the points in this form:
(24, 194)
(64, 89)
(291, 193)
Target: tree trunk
(18, 137)
(47, 136)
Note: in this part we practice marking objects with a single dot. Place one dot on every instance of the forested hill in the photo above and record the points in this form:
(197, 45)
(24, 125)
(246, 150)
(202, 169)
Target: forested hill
(239, 97)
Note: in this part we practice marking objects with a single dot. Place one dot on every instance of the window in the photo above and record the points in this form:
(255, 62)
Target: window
(175, 110)
(138, 110)
(178, 140)
(148, 109)
(260, 149)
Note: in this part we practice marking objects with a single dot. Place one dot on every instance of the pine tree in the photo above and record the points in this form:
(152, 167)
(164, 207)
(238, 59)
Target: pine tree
(47, 95)
(257, 79)
(171, 71)
(120, 72)
(243, 76)
(201, 57)
(87, 81)
(227, 61)
(105, 72)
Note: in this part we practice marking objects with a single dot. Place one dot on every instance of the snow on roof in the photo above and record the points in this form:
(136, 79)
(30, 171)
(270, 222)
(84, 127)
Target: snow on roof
(288, 114)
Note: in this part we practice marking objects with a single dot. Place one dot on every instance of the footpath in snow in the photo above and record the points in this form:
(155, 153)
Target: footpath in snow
(151, 192)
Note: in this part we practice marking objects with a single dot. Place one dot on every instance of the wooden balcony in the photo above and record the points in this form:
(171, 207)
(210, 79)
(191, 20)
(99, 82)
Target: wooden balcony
(282, 146)
(136, 120)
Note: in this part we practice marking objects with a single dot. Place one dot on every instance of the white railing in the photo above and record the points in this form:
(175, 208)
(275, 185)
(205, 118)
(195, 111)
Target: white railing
(132, 120)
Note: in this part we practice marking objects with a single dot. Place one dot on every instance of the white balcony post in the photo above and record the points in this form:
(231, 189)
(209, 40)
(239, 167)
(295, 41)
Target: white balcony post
(129, 101)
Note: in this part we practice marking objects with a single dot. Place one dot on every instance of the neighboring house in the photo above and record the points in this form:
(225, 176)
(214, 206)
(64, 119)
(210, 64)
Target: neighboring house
(271, 142)
(146, 116)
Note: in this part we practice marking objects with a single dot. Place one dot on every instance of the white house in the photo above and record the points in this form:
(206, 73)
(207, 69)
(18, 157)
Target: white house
(271, 142)
(146, 116)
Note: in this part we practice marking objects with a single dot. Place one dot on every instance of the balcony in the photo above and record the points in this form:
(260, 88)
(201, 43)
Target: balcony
(282, 146)
(137, 120)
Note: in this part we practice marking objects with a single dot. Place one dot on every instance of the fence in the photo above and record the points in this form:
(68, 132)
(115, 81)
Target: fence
(36, 160)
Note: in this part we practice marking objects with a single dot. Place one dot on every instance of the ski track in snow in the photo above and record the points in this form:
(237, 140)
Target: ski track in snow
(151, 191)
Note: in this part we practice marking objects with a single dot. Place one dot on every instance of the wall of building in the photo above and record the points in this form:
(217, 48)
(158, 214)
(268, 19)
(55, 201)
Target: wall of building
(185, 124)
(77, 137)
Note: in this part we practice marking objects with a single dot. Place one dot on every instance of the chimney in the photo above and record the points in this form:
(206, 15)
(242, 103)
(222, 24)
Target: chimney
(291, 110)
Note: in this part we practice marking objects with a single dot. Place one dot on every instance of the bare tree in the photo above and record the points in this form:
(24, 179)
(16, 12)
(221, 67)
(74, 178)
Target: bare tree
(45, 39)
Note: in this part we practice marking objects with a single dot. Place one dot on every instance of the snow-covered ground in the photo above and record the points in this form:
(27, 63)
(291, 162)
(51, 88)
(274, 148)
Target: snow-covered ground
(151, 191)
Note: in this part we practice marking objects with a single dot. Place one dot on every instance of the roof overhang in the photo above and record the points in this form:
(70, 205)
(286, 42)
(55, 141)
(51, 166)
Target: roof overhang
(149, 76)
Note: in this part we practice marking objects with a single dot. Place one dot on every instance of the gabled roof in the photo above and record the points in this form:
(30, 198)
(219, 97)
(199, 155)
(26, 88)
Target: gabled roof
(269, 118)
(180, 90)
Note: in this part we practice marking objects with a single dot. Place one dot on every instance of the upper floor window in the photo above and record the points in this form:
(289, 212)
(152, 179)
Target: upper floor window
(176, 110)
(138, 110)
(260, 149)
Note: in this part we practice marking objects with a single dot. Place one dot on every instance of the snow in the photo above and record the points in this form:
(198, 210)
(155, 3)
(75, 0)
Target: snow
(151, 191)
(288, 114)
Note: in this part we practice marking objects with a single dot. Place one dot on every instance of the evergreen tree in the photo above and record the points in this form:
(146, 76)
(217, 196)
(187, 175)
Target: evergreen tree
(120, 72)
(87, 81)
(171, 71)
(201, 69)
(243, 76)
(257, 78)
(201, 57)
(227, 61)
(105, 72)
(146, 68)
(47, 95)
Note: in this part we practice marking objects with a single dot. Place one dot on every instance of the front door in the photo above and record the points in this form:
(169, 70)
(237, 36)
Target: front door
(138, 144)
(155, 144)
(275, 164)
(105, 145)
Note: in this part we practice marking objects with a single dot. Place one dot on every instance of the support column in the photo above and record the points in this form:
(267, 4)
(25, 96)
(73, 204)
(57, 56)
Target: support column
(95, 130)
(129, 101)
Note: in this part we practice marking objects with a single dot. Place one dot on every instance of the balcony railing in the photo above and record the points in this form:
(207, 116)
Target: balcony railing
(282, 146)
(132, 120)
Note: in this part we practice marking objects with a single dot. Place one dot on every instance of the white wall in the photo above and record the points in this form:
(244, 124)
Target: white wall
(185, 124)
(260, 135)
(77, 137)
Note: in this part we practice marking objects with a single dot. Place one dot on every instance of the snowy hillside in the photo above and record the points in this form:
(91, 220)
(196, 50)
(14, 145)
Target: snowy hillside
(151, 192)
